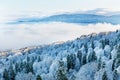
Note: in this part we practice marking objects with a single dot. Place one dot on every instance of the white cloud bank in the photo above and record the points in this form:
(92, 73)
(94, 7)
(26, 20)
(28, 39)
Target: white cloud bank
(18, 36)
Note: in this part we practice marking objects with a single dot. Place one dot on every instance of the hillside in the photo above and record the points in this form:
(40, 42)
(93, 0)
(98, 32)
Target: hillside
(76, 18)
(90, 57)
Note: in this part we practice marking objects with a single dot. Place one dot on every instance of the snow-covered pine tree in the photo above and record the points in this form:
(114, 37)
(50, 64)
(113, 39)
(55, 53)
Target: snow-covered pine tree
(71, 61)
(11, 73)
(79, 56)
(104, 77)
(61, 73)
(38, 77)
(5, 75)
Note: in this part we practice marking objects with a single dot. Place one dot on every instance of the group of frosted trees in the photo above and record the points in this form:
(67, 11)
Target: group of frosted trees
(9, 74)
(86, 56)
(83, 57)
(26, 67)
(75, 57)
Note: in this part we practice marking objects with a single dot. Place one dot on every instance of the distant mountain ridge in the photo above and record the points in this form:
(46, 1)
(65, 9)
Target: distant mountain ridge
(76, 18)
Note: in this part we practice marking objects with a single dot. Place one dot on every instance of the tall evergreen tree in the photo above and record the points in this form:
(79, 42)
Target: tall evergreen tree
(113, 65)
(38, 77)
(16, 67)
(28, 59)
(11, 73)
(99, 64)
(61, 73)
(84, 60)
(104, 77)
(79, 56)
(5, 75)
(86, 47)
(102, 43)
(118, 51)
(71, 61)
(92, 44)
(117, 62)
(38, 59)
(29, 67)
(91, 56)
(115, 75)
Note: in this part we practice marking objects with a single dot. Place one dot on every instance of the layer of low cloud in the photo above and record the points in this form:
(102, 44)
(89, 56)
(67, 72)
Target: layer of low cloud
(22, 35)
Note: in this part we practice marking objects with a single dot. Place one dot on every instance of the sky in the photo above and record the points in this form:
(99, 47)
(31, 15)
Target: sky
(10, 9)
(11, 6)
(22, 35)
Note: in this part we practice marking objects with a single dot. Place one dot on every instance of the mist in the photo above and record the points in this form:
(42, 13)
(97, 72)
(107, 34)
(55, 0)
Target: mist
(17, 36)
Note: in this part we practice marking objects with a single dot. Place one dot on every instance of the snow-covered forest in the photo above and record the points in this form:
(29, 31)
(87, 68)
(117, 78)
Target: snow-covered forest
(90, 57)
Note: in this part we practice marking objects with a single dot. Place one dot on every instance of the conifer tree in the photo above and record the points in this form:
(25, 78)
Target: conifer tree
(115, 75)
(99, 64)
(92, 45)
(38, 77)
(83, 61)
(61, 73)
(91, 57)
(104, 77)
(38, 59)
(79, 56)
(86, 47)
(16, 67)
(28, 59)
(11, 73)
(113, 65)
(5, 75)
(71, 61)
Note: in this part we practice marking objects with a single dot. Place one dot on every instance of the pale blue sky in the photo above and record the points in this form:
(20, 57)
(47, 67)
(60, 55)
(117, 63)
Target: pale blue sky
(56, 5)
(14, 8)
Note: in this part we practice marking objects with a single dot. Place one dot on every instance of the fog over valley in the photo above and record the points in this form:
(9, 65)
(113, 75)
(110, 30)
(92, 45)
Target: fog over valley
(16, 36)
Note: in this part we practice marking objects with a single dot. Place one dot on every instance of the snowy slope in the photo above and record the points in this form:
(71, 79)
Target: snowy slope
(90, 57)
